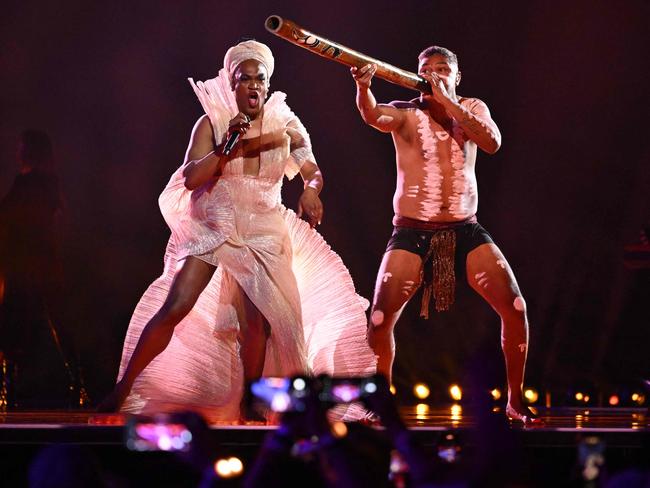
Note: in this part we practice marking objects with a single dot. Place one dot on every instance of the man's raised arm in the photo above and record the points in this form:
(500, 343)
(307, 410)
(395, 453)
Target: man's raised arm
(382, 117)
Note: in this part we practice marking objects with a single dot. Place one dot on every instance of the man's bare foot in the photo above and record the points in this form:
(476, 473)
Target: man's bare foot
(524, 415)
(113, 402)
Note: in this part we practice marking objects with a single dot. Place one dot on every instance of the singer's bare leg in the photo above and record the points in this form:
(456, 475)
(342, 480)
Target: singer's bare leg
(254, 334)
(188, 284)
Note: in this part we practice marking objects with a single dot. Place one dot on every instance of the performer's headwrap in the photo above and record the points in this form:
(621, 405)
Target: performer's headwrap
(248, 50)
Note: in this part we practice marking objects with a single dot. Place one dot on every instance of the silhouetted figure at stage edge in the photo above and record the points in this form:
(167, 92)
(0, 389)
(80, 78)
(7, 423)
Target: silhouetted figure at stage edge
(31, 278)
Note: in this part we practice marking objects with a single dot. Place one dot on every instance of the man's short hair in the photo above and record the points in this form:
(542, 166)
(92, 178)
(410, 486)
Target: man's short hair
(443, 51)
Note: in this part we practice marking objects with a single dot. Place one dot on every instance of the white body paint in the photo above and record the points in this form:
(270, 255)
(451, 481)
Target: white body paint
(408, 288)
(377, 317)
(463, 190)
(432, 190)
(412, 191)
(519, 304)
(481, 279)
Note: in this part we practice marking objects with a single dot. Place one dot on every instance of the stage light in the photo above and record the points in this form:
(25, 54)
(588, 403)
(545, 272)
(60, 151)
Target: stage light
(421, 411)
(229, 468)
(531, 395)
(584, 393)
(613, 400)
(339, 429)
(455, 392)
(236, 465)
(456, 412)
(638, 398)
(393, 390)
(421, 391)
(496, 394)
(222, 468)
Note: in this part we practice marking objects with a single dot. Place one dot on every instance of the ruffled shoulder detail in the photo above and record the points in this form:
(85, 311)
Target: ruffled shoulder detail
(280, 116)
(218, 101)
(277, 113)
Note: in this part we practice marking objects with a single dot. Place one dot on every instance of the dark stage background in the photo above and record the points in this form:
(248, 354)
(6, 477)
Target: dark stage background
(567, 83)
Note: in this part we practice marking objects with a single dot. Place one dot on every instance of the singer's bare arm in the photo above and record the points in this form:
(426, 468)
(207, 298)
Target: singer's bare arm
(201, 158)
(382, 117)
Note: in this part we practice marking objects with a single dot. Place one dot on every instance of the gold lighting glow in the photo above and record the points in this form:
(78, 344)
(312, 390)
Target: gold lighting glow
(339, 429)
(421, 391)
(229, 468)
(455, 392)
(531, 395)
(421, 411)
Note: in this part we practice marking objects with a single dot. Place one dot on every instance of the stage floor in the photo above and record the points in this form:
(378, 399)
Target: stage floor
(549, 452)
(614, 423)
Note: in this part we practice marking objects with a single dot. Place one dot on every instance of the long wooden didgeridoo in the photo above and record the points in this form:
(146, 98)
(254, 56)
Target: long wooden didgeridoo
(292, 32)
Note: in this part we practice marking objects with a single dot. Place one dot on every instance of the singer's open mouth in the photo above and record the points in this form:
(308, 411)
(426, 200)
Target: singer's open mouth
(253, 99)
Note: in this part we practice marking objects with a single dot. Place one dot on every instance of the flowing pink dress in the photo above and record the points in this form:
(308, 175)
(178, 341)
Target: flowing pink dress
(238, 224)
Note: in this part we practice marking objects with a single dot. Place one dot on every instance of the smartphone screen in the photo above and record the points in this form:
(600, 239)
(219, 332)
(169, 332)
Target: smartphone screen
(347, 390)
(273, 393)
(156, 434)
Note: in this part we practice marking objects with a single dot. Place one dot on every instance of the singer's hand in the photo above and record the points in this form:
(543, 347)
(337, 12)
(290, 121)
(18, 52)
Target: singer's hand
(236, 129)
(240, 123)
(363, 76)
(311, 206)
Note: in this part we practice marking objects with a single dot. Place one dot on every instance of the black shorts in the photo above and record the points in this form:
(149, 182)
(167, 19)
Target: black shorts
(468, 237)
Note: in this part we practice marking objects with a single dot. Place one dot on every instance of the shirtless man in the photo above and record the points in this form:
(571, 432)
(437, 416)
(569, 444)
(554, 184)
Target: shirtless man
(436, 234)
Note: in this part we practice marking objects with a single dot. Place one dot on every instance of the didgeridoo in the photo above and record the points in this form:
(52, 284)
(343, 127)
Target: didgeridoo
(295, 34)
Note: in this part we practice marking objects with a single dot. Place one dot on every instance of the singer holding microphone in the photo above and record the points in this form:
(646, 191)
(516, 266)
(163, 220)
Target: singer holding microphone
(248, 288)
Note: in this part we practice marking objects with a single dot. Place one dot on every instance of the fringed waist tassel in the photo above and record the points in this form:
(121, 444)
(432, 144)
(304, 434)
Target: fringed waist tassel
(442, 280)
(438, 279)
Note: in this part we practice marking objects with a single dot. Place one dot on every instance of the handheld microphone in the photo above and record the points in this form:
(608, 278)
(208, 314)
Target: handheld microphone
(232, 140)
